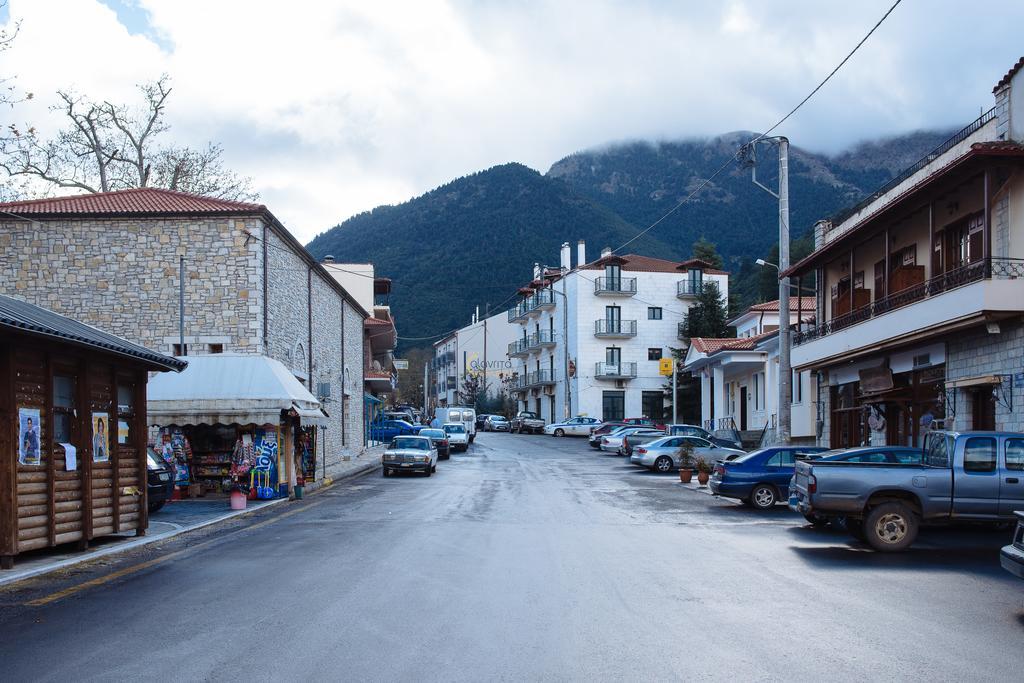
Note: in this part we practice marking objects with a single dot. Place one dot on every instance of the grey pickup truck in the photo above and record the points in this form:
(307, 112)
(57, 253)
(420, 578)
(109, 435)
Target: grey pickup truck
(963, 476)
(528, 422)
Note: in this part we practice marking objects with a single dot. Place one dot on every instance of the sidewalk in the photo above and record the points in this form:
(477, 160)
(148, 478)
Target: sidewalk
(176, 517)
(694, 486)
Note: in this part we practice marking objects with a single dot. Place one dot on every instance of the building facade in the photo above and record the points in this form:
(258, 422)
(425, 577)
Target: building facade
(591, 339)
(132, 261)
(921, 290)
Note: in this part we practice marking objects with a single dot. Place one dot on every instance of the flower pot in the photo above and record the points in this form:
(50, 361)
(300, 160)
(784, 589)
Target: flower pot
(686, 475)
(702, 478)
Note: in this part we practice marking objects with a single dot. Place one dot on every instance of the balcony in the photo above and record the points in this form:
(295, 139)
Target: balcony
(518, 348)
(517, 312)
(681, 331)
(689, 289)
(541, 377)
(615, 370)
(544, 300)
(615, 286)
(541, 340)
(614, 328)
(956, 296)
(519, 383)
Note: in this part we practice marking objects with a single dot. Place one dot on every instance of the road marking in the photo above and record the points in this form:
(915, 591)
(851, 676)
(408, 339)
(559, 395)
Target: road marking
(101, 580)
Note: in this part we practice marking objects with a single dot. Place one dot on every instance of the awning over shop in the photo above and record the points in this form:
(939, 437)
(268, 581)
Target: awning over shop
(980, 380)
(229, 389)
(314, 416)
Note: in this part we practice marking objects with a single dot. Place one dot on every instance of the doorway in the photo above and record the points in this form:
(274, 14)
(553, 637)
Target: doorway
(983, 409)
(743, 409)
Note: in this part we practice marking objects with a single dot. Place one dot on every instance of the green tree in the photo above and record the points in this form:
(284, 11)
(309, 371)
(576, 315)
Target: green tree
(708, 317)
(707, 251)
(470, 391)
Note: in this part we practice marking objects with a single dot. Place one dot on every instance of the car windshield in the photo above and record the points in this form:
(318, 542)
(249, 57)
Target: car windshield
(498, 418)
(751, 455)
(433, 433)
(455, 415)
(411, 443)
(154, 462)
(455, 429)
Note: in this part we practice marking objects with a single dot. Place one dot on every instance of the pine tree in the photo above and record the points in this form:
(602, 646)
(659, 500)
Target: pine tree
(707, 251)
(708, 317)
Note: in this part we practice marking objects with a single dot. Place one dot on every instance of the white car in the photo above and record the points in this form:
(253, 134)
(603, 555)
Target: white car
(612, 442)
(411, 454)
(458, 437)
(577, 426)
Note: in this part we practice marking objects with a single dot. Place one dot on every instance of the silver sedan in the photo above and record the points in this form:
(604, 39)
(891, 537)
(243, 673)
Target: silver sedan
(662, 455)
(410, 454)
(612, 442)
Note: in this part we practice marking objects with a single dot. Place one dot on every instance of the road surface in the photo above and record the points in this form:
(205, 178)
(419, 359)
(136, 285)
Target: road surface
(529, 558)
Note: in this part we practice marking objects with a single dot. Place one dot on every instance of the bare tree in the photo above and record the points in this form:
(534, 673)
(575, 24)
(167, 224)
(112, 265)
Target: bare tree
(111, 146)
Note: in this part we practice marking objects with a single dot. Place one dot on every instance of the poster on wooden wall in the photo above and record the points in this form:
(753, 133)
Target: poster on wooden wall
(100, 438)
(28, 436)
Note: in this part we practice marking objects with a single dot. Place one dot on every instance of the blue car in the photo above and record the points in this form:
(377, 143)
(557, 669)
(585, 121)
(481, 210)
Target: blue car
(759, 478)
(389, 429)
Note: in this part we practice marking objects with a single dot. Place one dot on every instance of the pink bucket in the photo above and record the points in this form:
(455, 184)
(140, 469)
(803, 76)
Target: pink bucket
(237, 500)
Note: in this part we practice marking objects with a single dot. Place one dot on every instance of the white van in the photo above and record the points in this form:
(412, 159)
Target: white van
(463, 414)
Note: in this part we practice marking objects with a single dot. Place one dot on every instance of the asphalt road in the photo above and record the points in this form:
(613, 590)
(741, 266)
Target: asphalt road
(529, 558)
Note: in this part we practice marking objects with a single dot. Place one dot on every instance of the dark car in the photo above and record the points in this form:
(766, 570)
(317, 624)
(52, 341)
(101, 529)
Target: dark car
(759, 478)
(439, 438)
(389, 429)
(644, 422)
(604, 428)
(159, 481)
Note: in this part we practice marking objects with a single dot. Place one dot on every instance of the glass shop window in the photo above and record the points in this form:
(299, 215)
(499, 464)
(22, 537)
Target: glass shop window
(63, 407)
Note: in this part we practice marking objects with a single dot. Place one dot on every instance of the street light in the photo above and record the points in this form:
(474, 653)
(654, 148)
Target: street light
(762, 262)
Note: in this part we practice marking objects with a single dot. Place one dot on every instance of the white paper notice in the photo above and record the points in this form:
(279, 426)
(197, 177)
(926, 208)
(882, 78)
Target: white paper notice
(70, 457)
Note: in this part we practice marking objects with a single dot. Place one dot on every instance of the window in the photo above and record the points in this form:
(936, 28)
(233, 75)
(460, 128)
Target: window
(63, 407)
(653, 404)
(653, 354)
(180, 350)
(654, 313)
(880, 280)
(613, 356)
(613, 405)
(797, 387)
(215, 348)
(980, 455)
(1015, 454)
(125, 413)
(782, 459)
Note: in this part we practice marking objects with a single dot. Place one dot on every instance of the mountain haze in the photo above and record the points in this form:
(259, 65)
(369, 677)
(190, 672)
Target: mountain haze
(473, 241)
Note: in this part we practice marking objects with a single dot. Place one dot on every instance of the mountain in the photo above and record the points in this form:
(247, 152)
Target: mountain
(473, 241)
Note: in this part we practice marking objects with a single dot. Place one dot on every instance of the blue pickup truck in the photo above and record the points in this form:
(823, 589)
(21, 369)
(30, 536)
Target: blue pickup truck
(962, 476)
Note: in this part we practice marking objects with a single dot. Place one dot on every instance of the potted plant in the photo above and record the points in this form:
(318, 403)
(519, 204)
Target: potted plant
(685, 454)
(704, 468)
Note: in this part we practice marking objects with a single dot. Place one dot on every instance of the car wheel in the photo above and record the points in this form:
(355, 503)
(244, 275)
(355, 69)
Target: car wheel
(426, 472)
(559, 432)
(816, 520)
(890, 527)
(385, 472)
(157, 506)
(433, 468)
(763, 497)
(663, 464)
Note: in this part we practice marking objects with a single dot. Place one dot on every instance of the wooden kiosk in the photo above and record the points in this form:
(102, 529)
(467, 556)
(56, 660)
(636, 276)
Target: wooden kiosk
(73, 432)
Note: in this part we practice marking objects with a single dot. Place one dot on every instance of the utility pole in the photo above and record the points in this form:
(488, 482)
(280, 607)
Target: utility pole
(426, 386)
(675, 393)
(785, 339)
(483, 389)
(181, 306)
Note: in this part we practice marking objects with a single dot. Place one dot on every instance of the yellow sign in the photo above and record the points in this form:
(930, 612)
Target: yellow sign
(666, 367)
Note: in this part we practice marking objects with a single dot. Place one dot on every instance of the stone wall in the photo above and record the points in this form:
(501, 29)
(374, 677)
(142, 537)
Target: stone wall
(977, 353)
(355, 437)
(121, 275)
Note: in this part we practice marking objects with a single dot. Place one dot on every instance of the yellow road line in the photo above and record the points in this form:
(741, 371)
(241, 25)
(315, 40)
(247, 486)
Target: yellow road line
(101, 580)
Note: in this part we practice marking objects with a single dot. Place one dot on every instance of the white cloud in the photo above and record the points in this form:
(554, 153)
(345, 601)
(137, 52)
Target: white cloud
(335, 108)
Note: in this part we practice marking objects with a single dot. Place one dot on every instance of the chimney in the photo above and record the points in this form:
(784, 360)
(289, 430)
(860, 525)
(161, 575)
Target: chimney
(820, 229)
(581, 253)
(536, 271)
(476, 316)
(566, 256)
(328, 259)
(607, 251)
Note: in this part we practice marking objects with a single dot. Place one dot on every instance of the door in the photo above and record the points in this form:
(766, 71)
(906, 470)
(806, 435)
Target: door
(743, 409)
(613, 319)
(976, 485)
(613, 406)
(780, 469)
(613, 359)
(1011, 488)
(983, 409)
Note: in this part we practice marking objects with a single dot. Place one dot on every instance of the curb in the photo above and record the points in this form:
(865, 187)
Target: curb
(365, 468)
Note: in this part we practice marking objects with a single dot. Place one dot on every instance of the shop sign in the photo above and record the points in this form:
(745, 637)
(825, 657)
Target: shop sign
(876, 379)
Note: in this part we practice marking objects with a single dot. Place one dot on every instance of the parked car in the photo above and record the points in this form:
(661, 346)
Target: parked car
(885, 493)
(612, 441)
(662, 455)
(600, 430)
(1012, 556)
(759, 478)
(440, 440)
(159, 481)
(410, 454)
(389, 429)
(722, 439)
(496, 423)
(631, 441)
(528, 422)
(458, 437)
(481, 421)
(644, 422)
(577, 426)
(463, 414)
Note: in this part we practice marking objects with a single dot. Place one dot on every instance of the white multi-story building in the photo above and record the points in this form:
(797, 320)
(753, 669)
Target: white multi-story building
(478, 350)
(920, 292)
(591, 337)
(739, 377)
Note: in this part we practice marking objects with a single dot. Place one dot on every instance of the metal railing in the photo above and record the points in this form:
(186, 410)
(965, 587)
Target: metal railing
(956, 139)
(517, 312)
(615, 370)
(542, 338)
(984, 269)
(518, 347)
(689, 287)
(544, 297)
(519, 383)
(545, 376)
(615, 328)
(615, 285)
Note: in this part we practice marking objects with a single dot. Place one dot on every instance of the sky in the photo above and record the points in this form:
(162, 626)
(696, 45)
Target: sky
(335, 107)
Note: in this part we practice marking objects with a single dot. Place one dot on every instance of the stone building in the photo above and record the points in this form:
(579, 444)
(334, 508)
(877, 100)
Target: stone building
(249, 287)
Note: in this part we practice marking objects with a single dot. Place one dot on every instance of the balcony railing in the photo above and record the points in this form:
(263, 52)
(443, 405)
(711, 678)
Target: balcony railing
(686, 289)
(984, 269)
(520, 347)
(517, 312)
(681, 331)
(614, 328)
(615, 286)
(538, 377)
(541, 339)
(544, 298)
(615, 370)
(519, 383)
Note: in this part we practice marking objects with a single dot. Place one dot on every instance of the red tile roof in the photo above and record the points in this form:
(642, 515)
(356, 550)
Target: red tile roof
(1009, 74)
(806, 304)
(709, 346)
(142, 201)
(997, 146)
(647, 264)
(377, 322)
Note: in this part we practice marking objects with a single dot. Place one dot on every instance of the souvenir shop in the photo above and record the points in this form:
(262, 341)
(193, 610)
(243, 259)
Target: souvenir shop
(263, 444)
